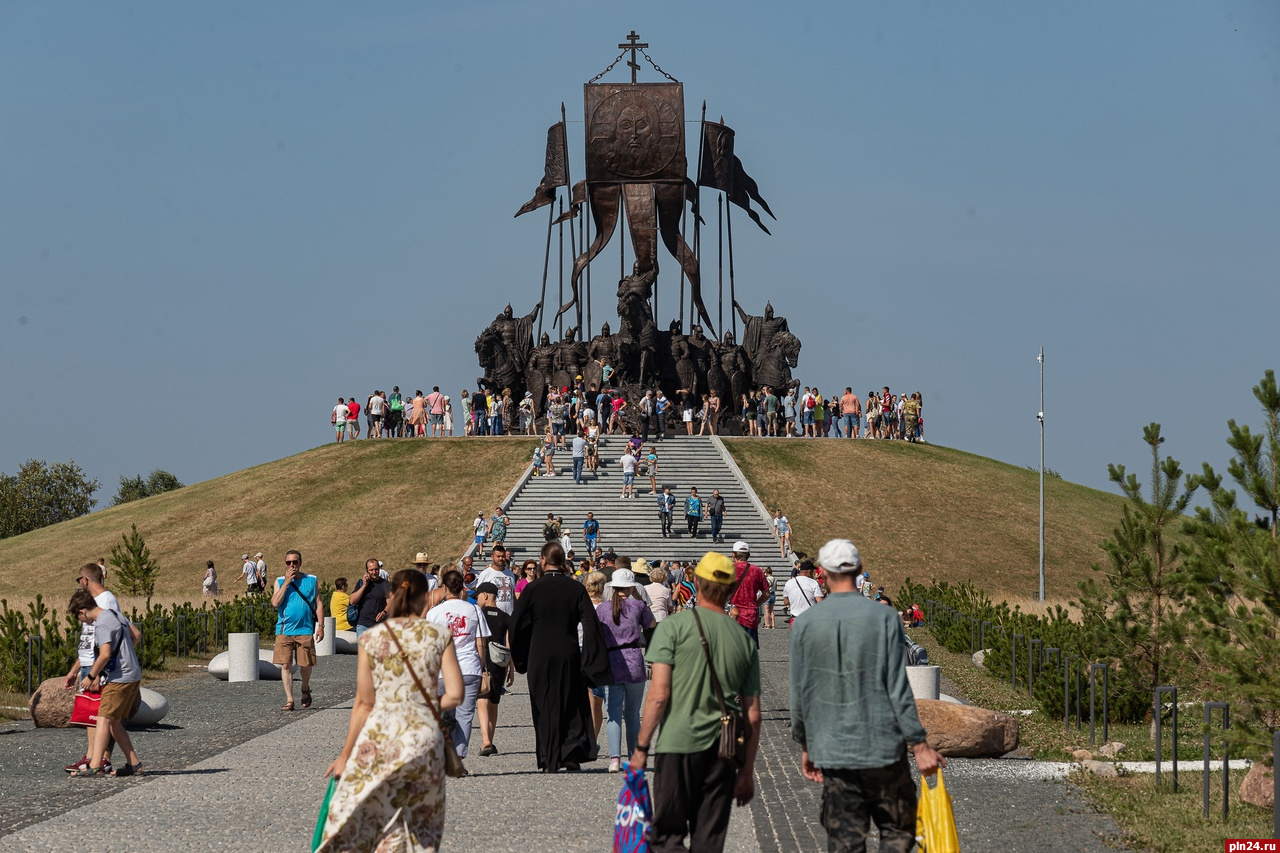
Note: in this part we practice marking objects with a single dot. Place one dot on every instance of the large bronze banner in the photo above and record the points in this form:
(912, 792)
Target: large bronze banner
(635, 133)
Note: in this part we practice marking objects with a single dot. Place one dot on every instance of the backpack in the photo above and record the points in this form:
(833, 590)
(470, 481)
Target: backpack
(809, 402)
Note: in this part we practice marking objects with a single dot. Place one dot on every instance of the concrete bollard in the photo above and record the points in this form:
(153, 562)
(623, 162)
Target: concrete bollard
(325, 646)
(242, 651)
(926, 681)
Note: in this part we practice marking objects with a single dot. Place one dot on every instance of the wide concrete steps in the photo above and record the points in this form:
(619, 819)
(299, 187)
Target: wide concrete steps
(631, 526)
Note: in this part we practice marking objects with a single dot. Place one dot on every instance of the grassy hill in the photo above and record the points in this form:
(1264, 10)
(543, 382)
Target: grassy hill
(339, 504)
(931, 512)
(918, 510)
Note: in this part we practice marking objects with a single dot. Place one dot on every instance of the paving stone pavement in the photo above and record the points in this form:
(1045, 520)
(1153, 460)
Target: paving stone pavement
(263, 794)
(231, 772)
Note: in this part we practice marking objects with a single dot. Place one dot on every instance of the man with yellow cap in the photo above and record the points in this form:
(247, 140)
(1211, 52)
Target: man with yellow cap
(693, 789)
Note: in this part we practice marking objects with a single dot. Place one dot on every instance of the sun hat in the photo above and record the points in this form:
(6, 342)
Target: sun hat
(840, 556)
(421, 559)
(716, 568)
(259, 554)
(741, 546)
(623, 578)
(641, 566)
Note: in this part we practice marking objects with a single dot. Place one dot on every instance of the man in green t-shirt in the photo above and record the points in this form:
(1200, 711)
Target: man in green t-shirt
(693, 789)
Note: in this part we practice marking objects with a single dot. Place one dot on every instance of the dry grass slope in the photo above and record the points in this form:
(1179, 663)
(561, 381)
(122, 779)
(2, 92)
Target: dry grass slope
(931, 512)
(338, 504)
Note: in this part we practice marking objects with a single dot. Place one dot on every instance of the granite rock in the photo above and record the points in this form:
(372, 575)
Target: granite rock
(1258, 789)
(967, 731)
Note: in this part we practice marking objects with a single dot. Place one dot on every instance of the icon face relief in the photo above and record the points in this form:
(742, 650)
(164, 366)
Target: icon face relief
(636, 133)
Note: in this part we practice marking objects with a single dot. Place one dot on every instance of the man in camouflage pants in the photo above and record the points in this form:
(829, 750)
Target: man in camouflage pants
(856, 724)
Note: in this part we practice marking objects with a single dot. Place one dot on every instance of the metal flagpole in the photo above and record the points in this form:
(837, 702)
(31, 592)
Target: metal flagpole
(560, 319)
(720, 258)
(697, 227)
(546, 262)
(654, 259)
(733, 293)
(586, 209)
(684, 200)
(1040, 417)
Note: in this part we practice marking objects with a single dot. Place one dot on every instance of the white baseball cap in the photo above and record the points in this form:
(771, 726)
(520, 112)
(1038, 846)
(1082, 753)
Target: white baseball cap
(840, 556)
(741, 546)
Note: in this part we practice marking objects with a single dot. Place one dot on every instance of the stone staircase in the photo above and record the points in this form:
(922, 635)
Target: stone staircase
(631, 526)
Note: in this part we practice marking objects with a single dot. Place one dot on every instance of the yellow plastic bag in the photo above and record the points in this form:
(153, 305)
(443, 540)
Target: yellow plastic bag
(935, 821)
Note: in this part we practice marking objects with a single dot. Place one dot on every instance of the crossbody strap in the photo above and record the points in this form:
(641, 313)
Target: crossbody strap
(405, 659)
(706, 650)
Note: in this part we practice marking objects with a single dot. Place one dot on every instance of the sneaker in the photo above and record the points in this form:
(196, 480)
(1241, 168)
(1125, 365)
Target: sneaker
(78, 764)
(615, 764)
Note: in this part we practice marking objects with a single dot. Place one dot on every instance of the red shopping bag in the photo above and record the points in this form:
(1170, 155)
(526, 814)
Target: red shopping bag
(85, 711)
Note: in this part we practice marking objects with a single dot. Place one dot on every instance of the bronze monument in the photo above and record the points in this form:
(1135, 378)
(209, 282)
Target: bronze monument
(637, 169)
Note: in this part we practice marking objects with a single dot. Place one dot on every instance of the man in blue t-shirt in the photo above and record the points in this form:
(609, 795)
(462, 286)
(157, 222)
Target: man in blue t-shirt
(590, 532)
(299, 626)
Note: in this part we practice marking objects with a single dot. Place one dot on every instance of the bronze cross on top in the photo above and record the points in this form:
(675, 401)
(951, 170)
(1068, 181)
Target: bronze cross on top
(633, 44)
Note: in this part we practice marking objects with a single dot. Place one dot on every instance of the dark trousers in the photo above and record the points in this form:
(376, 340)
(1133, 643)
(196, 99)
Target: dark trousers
(716, 521)
(853, 798)
(577, 469)
(692, 521)
(666, 523)
(692, 795)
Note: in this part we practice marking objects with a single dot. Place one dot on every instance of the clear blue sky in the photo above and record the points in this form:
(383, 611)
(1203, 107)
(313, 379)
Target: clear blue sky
(216, 218)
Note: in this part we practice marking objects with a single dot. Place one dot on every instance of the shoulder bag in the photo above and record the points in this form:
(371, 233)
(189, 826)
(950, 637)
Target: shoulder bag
(734, 727)
(452, 763)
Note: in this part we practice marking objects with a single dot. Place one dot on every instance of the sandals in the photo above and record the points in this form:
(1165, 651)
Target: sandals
(287, 706)
(129, 770)
(87, 772)
(306, 699)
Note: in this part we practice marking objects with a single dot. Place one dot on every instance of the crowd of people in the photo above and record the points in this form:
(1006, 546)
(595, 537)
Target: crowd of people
(591, 412)
(654, 655)
(610, 645)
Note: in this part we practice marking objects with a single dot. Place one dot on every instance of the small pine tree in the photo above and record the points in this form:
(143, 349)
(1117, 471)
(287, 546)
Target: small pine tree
(1133, 608)
(136, 572)
(1236, 562)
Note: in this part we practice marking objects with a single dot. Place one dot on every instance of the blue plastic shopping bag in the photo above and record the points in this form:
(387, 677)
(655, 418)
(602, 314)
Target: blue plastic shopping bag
(635, 814)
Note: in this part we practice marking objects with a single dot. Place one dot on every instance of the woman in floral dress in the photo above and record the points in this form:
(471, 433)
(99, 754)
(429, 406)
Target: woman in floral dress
(390, 791)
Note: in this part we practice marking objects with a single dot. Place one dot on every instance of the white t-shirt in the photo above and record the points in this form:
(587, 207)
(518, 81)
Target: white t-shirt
(801, 593)
(628, 463)
(505, 581)
(107, 601)
(375, 405)
(566, 543)
(262, 569)
(340, 413)
(659, 600)
(465, 622)
(250, 572)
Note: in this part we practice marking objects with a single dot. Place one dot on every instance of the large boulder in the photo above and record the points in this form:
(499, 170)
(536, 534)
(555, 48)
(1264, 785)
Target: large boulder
(966, 731)
(1258, 789)
(51, 704)
(151, 709)
(344, 642)
(220, 664)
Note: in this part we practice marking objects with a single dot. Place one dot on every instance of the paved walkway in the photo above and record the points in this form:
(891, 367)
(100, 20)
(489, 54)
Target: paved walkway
(229, 774)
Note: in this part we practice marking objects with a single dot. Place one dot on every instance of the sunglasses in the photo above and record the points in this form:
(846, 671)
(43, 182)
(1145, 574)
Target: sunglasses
(293, 562)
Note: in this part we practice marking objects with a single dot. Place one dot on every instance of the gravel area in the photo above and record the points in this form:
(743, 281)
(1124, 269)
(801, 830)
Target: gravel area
(206, 717)
(1000, 804)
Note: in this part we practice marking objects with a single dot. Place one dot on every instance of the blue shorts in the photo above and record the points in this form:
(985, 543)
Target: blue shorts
(597, 692)
(557, 429)
(628, 478)
(808, 418)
